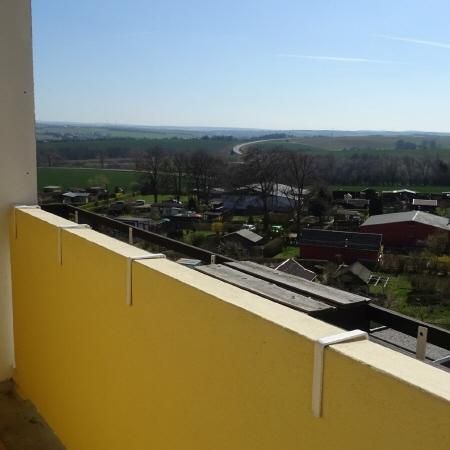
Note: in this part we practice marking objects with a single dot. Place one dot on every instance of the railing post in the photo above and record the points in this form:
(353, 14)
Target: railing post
(421, 346)
(130, 235)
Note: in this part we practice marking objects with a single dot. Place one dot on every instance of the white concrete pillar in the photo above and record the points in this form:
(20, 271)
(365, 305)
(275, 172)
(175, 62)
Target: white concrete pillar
(17, 147)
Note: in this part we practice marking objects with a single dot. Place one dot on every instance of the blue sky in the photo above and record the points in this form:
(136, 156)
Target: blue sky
(281, 64)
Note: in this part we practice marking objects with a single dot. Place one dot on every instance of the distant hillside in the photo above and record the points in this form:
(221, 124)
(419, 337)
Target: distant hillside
(71, 131)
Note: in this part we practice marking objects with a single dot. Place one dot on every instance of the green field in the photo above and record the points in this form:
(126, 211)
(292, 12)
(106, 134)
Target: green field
(362, 143)
(69, 178)
(49, 132)
(74, 177)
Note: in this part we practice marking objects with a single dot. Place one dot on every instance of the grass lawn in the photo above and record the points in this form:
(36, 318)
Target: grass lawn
(288, 252)
(161, 197)
(398, 290)
(68, 177)
(76, 177)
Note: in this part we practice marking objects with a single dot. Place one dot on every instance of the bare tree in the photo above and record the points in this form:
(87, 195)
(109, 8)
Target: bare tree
(179, 163)
(261, 167)
(203, 167)
(153, 163)
(300, 170)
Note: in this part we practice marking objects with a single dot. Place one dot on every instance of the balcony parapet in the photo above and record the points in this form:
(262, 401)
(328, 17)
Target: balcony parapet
(195, 363)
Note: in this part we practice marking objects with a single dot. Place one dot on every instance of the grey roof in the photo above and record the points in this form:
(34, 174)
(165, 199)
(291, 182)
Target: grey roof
(246, 234)
(297, 284)
(400, 191)
(424, 202)
(76, 194)
(293, 267)
(407, 343)
(340, 239)
(279, 190)
(189, 262)
(265, 288)
(357, 269)
(409, 216)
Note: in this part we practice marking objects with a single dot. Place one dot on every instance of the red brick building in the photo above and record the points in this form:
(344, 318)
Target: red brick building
(405, 229)
(340, 246)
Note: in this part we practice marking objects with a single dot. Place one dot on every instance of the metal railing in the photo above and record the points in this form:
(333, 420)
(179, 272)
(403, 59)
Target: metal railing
(423, 332)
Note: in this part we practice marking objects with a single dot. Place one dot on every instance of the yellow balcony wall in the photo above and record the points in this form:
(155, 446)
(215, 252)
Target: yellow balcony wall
(194, 363)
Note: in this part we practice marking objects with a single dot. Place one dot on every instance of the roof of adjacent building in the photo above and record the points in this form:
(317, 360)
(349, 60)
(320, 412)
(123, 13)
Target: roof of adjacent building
(312, 289)
(424, 202)
(292, 267)
(247, 235)
(343, 239)
(409, 216)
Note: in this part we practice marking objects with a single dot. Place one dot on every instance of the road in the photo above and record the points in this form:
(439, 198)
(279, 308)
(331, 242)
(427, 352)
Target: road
(237, 149)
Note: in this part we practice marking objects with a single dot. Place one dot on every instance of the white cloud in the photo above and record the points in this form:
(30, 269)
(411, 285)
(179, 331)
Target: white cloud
(343, 59)
(414, 41)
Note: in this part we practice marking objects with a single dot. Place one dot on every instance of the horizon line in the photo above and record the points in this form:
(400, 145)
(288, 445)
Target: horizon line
(221, 127)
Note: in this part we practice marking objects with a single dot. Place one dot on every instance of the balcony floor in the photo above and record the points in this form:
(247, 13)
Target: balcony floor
(21, 427)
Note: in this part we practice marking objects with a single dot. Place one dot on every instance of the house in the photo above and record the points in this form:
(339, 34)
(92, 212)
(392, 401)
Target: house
(52, 189)
(51, 194)
(99, 192)
(76, 198)
(405, 229)
(248, 199)
(398, 195)
(355, 277)
(349, 202)
(346, 220)
(292, 267)
(246, 238)
(421, 204)
(340, 246)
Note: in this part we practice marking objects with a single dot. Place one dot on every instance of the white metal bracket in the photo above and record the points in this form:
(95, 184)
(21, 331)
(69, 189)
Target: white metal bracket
(130, 260)
(319, 348)
(16, 207)
(67, 227)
